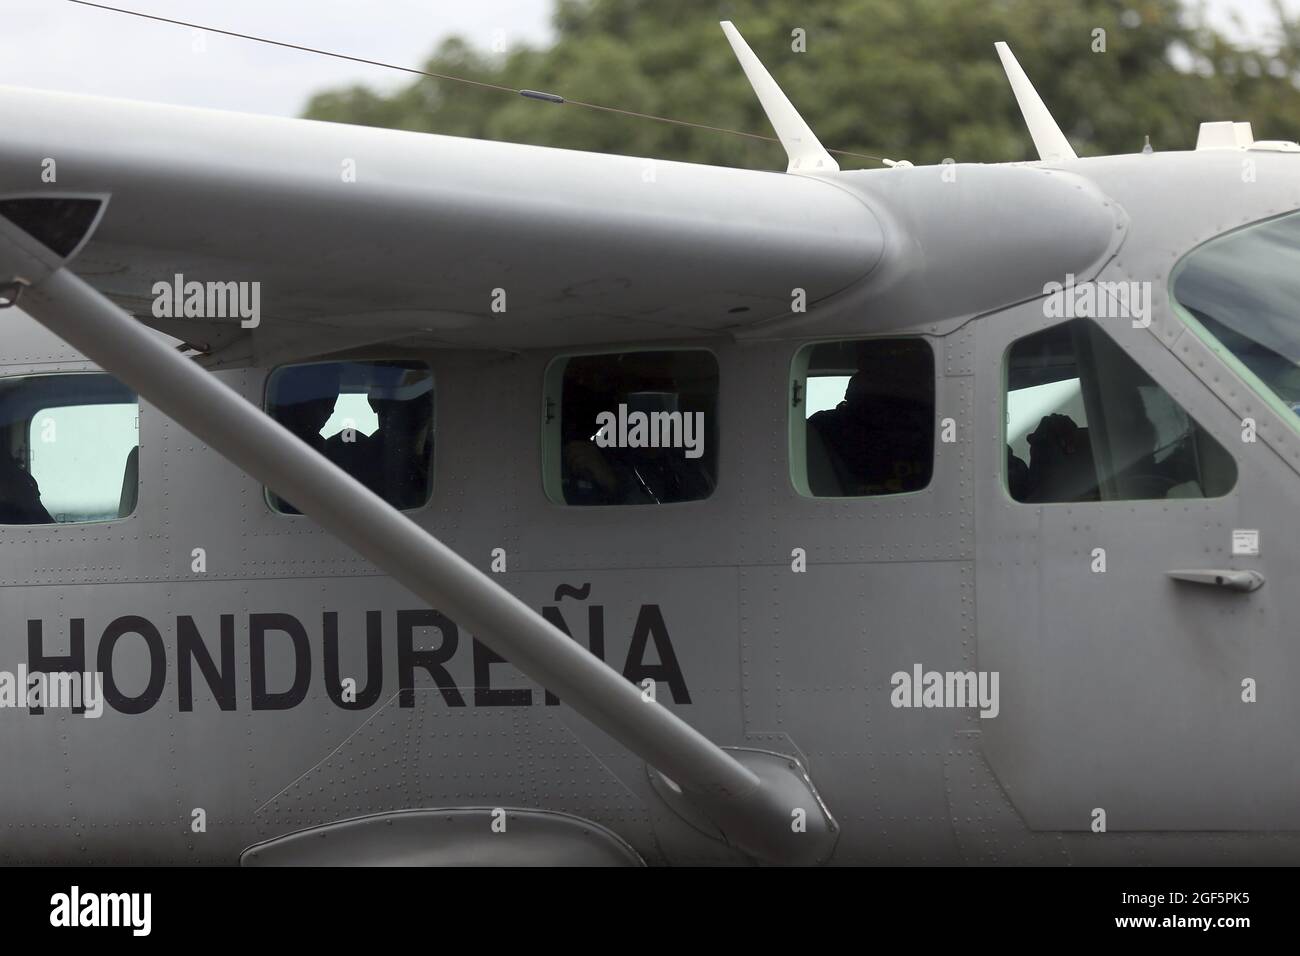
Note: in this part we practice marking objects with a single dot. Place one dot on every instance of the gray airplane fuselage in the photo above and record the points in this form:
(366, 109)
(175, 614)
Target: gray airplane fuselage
(1119, 690)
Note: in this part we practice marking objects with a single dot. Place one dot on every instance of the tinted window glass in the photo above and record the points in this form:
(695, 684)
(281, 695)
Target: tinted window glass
(1085, 423)
(372, 419)
(636, 428)
(68, 449)
(1243, 289)
(867, 421)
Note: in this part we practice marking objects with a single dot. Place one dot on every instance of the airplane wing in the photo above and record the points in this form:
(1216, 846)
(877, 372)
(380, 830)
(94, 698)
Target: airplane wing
(360, 235)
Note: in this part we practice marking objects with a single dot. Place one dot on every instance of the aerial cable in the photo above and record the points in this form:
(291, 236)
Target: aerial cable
(528, 94)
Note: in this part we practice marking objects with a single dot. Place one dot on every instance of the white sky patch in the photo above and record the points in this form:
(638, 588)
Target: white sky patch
(55, 45)
(1026, 407)
(825, 391)
(80, 472)
(353, 407)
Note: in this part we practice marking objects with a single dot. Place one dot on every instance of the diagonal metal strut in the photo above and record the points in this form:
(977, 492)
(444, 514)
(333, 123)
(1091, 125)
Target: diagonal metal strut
(750, 807)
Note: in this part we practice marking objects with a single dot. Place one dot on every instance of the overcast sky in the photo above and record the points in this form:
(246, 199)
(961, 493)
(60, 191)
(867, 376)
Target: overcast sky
(54, 44)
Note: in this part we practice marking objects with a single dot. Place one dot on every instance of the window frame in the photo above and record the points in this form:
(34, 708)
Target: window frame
(553, 427)
(797, 421)
(68, 373)
(433, 422)
(1004, 485)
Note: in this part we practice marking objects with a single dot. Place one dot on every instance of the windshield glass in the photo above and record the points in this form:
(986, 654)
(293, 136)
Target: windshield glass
(1244, 290)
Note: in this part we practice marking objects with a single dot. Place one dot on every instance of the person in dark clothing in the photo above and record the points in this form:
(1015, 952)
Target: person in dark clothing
(399, 453)
(1061, 466)
(20, 496)
(880, 438)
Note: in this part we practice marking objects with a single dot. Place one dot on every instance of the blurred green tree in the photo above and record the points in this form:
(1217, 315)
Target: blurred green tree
(914, 79)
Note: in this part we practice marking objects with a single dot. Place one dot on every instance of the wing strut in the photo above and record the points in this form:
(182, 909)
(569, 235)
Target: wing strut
(747, 795)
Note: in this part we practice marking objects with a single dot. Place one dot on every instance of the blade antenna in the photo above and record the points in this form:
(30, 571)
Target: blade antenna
(806, 154)
(1048, 139)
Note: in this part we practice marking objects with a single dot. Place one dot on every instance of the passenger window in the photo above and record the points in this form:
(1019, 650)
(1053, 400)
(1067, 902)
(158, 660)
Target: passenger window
(1085, 423)
(372, 419)
(632, 428)
(863, 421)
(70, 449)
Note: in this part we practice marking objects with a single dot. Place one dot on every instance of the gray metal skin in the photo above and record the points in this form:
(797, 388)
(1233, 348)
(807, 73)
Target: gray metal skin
(1118, 690)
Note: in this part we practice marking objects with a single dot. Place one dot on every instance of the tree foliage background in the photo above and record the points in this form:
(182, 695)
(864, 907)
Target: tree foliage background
(911, 79)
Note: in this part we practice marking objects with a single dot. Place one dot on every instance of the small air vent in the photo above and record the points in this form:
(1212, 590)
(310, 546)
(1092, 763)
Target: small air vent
(59, 223)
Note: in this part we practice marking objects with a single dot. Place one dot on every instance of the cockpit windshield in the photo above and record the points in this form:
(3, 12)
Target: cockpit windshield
(1244, 291)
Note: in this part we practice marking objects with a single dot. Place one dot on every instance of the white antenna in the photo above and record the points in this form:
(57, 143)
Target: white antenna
(1048, 139)
(806, 154)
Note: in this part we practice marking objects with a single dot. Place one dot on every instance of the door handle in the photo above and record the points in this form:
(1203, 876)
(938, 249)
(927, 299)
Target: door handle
(1232, 579)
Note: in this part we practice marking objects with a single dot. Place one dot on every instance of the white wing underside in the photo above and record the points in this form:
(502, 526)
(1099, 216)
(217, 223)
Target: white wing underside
(359, 235)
